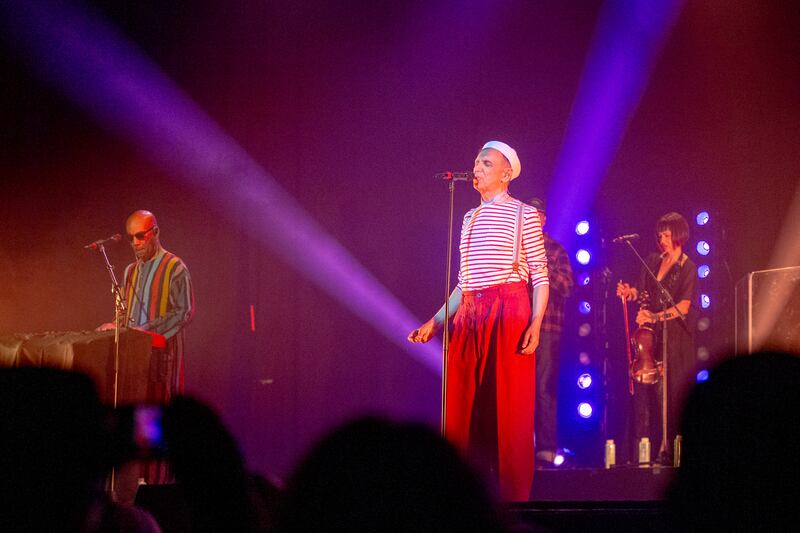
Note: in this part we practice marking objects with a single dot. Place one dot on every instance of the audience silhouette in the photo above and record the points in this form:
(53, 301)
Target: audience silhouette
(54, 456)
(739, 466)
(219, 493)
(741, 435)
(375, 475)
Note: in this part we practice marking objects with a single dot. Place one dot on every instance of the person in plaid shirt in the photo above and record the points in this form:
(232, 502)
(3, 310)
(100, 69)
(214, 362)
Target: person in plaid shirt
(547, 355)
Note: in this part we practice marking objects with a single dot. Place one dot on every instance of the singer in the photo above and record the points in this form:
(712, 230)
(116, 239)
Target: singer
(491, 364)
(158, 293)
(677, 273)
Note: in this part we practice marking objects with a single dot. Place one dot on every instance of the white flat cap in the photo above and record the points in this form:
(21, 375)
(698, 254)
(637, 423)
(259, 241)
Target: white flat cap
(509, 153)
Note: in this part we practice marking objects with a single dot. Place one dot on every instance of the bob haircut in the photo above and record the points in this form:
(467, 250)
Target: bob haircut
(677, 225)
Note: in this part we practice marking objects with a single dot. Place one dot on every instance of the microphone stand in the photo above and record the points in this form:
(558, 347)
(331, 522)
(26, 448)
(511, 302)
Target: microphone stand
(605, 278)
(451, 178)
(119, 318)
(665, 298)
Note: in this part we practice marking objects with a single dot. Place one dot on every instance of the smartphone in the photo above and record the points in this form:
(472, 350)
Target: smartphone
(148, 431)
(138, 431)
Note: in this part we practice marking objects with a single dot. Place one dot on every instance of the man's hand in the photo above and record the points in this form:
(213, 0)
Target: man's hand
(530, 341)
(425, 332)
(109, 326)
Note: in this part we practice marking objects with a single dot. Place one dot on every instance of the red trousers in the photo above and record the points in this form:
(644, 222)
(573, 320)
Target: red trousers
(491, 387)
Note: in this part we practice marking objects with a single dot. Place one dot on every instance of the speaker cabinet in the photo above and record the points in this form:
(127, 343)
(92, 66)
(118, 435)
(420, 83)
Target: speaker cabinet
(764, 297)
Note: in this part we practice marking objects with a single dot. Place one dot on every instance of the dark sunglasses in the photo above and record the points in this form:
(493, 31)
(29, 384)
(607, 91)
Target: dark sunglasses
(141, 235)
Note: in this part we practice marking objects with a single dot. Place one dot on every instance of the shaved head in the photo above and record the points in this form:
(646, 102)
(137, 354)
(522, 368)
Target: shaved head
(142, 230)
(142, 215)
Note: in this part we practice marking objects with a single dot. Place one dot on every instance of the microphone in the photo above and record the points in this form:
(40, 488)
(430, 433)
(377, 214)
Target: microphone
(97, 244)
(454, 176)
(628, 237)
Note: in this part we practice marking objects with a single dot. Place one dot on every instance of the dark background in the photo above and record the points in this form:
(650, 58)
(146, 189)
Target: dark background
(352, 107)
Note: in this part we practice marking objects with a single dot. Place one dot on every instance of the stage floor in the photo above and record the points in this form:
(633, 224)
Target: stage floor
(585, 516)
(620, 499)
(620, 483)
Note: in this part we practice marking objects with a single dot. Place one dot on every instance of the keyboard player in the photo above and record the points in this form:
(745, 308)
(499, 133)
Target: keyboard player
(158, 295)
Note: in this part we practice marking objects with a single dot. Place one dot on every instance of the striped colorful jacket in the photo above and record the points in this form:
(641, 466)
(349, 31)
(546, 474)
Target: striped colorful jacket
(159, 294)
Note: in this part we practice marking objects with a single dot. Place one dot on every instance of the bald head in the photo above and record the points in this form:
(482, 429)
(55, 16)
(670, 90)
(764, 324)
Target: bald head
(142, 230)
(142, 216)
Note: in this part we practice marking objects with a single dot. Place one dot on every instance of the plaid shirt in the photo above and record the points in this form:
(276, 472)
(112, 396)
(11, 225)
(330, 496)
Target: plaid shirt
(560, 276)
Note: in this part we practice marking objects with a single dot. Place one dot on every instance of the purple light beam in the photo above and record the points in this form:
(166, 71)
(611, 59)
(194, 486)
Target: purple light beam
(626, 46)
(109, 77)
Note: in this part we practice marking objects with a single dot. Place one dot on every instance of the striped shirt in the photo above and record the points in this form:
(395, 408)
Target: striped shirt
(159, 294)
(488, 242)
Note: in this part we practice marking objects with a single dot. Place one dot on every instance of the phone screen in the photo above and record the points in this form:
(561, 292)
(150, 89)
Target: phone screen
(148, 431)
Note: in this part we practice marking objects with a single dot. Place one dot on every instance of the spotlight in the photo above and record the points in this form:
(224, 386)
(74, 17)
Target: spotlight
(584, 358)
(585, 307)
(702, 218)
(585, 409)
(702, 376)
(703, 248)
(584, 279)
(583, 256)
(585, 381)
(705, 301)
(703, 271)
(582, 227)
(584, 329)
(703, 324)
(558, 460)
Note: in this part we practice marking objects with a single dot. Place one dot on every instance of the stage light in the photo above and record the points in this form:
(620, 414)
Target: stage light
(583, 256)
(585, 307)
(558, 460)
(703, 248)
(584, 329)
(702, 376)
(585, 381)
(584, 358)
(582, 227)
(702, 218)
(705, 301)
(584, 279)
(585, 409)
(703, 324)
(702, 353)
(703, 271)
